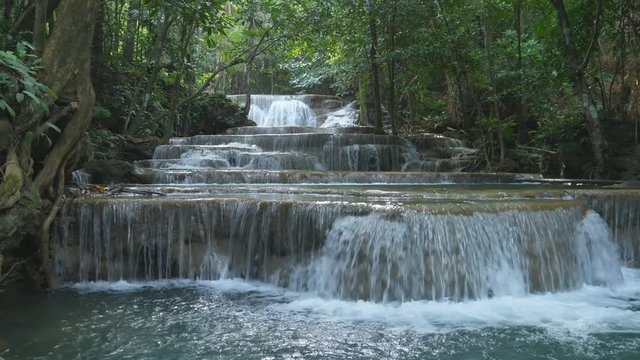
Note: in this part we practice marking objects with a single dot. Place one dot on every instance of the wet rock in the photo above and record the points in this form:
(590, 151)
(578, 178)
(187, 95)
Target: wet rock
(114, 172)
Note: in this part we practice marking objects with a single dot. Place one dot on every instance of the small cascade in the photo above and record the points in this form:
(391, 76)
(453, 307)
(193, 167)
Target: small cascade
(284, 113)
(344, 117)
(287, 151)
(288, 139)
(299, 110)
(461, 256)
(621, 210)
(80, 178)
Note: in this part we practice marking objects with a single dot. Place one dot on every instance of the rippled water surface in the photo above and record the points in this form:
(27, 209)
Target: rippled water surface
(243, 320)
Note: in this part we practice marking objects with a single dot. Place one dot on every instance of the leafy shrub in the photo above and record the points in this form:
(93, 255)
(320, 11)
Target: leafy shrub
(214, 114)
(18, 84)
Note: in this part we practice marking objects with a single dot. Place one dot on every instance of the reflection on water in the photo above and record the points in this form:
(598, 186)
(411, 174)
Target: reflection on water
(245, 320)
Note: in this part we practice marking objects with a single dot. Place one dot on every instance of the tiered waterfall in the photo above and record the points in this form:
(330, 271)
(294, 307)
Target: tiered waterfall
(311, 202)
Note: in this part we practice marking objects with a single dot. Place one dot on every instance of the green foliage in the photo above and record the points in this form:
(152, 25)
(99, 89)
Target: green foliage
(19, 86)
(213, 114)
(492, 68)
(105, 144)
(100, 113)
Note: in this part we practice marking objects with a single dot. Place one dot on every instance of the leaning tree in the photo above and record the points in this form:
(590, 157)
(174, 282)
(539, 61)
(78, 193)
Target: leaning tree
(54, 103)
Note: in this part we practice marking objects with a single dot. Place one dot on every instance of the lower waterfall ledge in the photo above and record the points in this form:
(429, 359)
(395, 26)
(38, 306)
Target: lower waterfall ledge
(371, 250)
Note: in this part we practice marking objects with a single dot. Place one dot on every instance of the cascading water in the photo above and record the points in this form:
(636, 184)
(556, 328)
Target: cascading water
(273, 110)
(345, 249)
(249, 255)
(461, 256)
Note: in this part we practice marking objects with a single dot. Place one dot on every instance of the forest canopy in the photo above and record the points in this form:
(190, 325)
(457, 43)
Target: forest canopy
(505, 73)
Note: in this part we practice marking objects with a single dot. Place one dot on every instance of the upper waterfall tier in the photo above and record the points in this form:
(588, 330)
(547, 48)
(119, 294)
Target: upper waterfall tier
(298, 110)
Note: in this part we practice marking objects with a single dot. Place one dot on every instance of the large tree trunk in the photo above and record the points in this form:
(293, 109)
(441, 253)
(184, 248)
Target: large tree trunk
(580, 84)
(24, 219)
(67, 62)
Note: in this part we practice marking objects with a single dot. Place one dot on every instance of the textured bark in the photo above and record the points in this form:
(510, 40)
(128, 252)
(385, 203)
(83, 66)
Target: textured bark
(40, 25)
(11, 186)
(67, 62)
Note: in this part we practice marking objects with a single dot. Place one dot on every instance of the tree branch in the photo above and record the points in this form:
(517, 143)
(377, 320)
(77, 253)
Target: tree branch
(594, 37)
(252, 52)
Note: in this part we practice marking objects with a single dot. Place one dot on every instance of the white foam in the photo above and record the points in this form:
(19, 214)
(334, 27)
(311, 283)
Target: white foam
(345, 117)
(589, 310)
(123, 286)
(283, 112)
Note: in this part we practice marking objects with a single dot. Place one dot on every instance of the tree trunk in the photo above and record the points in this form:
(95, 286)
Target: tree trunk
(67, 62)
(363, 111)
(580, 84)
(12, 181)
(393, 111)
(373, 58)
(6, 16)
(156, 61)
(40, 26)
(97, 53)
(521, 113)
(129, 40)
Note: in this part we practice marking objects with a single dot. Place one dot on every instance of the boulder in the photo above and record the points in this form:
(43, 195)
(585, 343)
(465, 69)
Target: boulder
(114, 172)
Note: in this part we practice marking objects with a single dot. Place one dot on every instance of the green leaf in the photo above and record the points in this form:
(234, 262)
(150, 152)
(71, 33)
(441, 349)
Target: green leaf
(31, 95)
(53, 126)
(7, 108)
(19, 97)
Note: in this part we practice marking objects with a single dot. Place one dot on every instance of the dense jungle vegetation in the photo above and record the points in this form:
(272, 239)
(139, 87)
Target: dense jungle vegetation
(542, 86)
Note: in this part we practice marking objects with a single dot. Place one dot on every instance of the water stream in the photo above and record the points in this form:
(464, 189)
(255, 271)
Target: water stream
(294, 240)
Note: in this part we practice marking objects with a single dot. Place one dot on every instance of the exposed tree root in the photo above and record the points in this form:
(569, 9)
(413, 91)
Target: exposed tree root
(10, 189)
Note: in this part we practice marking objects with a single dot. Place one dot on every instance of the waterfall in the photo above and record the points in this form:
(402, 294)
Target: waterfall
(342, 250)
(621, 210)
(299, 110)
(343, 117)
(273, 110)
(250, 204)
(461, 256)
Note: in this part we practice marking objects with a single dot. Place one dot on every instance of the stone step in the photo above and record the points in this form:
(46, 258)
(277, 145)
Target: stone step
(280, 240)
(256, 130)
(212, 176)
